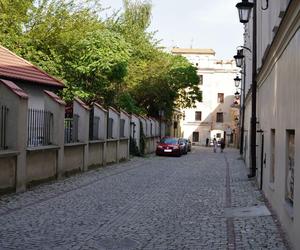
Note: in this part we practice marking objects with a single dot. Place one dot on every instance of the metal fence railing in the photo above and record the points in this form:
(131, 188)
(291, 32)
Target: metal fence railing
(122, 128)
(3, 126)
(39, 127)
(94, 128)
(71, 129)
(110, 128)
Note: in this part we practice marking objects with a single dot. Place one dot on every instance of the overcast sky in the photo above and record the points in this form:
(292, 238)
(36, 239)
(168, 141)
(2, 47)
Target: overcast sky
(195, 23)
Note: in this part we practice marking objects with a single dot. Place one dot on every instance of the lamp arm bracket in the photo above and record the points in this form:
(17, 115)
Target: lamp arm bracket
(243, 47)
(267, 5)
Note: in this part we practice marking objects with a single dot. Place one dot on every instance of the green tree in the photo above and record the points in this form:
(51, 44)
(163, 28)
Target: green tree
(115, 61)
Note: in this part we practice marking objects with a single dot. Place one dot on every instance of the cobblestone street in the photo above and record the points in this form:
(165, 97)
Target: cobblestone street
(147, 203)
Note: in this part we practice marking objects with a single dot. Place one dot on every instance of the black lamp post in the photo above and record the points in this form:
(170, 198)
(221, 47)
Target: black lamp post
(237, 81)
(244, 9)
(239, 58)
(237, 95)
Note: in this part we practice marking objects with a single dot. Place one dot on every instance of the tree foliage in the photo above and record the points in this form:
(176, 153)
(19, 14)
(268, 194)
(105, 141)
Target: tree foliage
(115, 61)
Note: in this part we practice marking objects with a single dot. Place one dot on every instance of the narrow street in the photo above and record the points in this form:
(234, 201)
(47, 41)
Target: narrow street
(148, 203)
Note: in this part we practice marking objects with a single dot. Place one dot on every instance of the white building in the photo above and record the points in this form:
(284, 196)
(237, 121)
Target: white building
(214, 117)
(278, 74)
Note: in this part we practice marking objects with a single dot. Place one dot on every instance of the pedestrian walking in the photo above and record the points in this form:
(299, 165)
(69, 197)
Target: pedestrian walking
(207, 141)
(215, 144)
(222, 145)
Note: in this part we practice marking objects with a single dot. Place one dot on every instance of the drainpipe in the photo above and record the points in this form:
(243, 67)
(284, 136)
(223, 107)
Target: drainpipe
(254, 89)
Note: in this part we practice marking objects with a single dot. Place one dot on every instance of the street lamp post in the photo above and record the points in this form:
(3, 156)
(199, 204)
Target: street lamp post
(239, 58)
(244, 9)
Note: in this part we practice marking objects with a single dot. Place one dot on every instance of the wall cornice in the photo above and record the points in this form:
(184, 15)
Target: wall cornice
(289, 26)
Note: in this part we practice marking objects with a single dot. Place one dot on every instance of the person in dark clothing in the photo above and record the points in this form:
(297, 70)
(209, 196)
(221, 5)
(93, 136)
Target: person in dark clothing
(222, 145)
(207, 141)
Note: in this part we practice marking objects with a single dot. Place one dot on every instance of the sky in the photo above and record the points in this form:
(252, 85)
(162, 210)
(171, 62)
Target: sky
(194, 24)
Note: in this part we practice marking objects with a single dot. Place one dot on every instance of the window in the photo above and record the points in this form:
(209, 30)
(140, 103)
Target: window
(219, 117)
(219, 135)
(272, 156)
(220, 97)
(290, 162)
(110, 128)
(195, 136)
(122, 128)
(200, 79)
(198, 116)
(201, 94)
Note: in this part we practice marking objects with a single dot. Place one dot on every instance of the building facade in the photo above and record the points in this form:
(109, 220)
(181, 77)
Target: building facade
(215, 116)
(277, 129)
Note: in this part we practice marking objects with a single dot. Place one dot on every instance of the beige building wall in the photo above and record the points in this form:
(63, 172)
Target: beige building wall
(216, 77)
(277, 109)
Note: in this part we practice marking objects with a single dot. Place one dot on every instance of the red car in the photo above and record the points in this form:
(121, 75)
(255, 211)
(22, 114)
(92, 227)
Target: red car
(170, 146)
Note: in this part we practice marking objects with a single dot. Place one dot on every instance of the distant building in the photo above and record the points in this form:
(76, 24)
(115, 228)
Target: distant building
(215, 116)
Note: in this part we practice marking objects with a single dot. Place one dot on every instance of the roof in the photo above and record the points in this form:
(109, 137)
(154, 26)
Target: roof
(14, 88)
(122, 111)
(17, 68)
(191, 51)
(113, 109)
(99, 106)
(81, 103)
(54, 97)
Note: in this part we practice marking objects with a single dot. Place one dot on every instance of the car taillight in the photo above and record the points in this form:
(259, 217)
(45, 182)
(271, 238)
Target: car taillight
(176, 147)
(159, 146)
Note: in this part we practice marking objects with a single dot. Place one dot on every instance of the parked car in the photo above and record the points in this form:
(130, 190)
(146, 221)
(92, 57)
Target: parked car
(170, 146)
(188, 145)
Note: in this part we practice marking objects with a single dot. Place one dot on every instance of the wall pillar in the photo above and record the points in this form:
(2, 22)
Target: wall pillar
(83, 111)
(57, 107)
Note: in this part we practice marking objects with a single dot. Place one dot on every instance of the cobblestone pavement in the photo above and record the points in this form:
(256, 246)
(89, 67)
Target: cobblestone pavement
(147, 203)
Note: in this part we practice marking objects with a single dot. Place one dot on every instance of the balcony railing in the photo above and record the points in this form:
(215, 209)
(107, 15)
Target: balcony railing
(3, 127)
(71, 129)
(39, 127)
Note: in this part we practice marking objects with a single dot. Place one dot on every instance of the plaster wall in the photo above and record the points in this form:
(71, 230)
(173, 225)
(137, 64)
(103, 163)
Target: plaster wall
(95, 154)
(103, 121)
(11, 100)
(83, 123)
(116, 124)
(41, 165)
(123, 150)
(144, 125)
(127, 124)
(111, 152)
(73, 158)
(278, 102)
(35, 93)
(136, 133)
(7, 173)
(148, 127)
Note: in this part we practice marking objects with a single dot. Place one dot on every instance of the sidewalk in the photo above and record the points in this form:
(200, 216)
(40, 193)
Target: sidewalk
(250, 220)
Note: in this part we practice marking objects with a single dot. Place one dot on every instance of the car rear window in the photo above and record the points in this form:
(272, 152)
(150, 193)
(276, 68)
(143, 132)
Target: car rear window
(169, 140)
